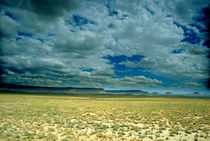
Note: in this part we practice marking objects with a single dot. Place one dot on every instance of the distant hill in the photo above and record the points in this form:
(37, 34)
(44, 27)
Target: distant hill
(126, 91)
(155, 93)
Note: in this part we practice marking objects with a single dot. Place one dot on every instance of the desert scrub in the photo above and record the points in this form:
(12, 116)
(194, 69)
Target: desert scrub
(50, 117)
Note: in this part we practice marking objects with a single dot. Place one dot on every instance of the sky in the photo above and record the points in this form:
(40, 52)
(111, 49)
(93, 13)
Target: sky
(152, 45)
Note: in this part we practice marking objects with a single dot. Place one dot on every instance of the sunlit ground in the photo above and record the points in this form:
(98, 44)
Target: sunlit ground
(96, 118)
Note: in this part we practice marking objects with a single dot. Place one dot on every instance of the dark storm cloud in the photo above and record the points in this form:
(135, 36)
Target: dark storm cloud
(44, 9)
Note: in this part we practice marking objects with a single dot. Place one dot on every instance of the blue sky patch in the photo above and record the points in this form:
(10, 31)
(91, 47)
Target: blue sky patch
(78, 20)
(51, 34)
(190, 35)
(113, 12)
(136, 58)
(87, 69)
(120, 67)
(11, 15)
(200, 28)
(18, 38)
(178, 51)
(110, 25)
(40, 39)
(28, 34)
(116, 59)
(123, 58)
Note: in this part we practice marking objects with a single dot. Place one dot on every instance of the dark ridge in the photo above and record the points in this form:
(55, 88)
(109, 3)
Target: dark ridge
(7, 86)
(125, 91)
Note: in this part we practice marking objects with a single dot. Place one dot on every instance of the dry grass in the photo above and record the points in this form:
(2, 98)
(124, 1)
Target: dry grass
(73, 118)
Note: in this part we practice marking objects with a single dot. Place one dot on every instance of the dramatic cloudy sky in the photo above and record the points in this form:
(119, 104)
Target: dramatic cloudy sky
(153, 45)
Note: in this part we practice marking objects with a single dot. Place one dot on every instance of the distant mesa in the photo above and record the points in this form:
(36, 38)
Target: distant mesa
(155, 93)
(126, 91)
(169, 93)
(196, 93)
(68, 90)
(23, 88)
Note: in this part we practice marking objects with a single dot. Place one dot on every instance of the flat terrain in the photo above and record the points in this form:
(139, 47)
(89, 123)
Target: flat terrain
(98, 118)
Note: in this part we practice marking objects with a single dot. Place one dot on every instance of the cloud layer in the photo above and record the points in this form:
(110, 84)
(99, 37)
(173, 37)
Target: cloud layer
(146, 44)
